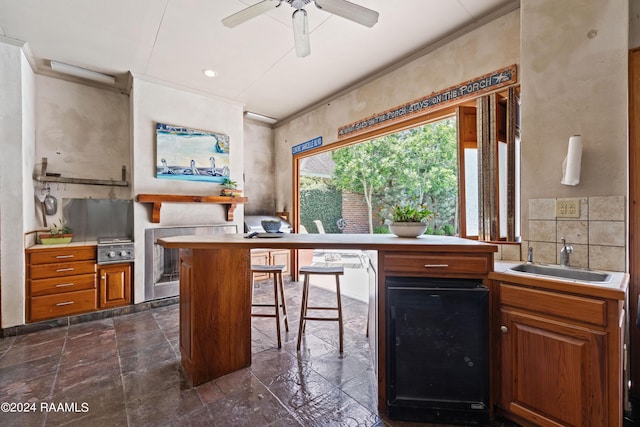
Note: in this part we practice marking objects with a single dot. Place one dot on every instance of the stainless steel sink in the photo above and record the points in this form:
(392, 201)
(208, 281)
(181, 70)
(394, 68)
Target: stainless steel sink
(557, 271)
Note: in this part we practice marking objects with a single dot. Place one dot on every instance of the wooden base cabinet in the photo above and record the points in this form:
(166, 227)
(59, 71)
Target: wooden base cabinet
(115, 285)
(61, 281)
(560, 358)
(64, 280)
(270, 257)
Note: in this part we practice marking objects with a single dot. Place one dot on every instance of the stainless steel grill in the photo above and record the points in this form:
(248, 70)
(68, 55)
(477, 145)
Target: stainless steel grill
(253, 223)
(112, 250)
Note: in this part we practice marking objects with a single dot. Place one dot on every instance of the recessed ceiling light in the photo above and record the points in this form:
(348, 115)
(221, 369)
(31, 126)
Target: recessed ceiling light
(209, 73)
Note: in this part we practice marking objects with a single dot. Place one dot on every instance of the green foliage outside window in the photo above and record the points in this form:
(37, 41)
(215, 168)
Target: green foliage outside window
(417, 165)
(324, 204)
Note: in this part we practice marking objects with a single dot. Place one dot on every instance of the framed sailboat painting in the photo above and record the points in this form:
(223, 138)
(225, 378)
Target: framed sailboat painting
(191, 154)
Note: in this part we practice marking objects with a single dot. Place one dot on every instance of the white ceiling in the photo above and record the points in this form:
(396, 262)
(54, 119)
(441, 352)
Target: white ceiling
(172, 41)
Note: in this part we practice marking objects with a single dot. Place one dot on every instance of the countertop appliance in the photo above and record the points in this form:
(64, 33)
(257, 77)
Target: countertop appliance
(113, 250)
(253, 223)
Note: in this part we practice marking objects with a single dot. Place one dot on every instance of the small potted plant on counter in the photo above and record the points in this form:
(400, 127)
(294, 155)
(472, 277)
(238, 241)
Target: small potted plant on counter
(407, 220)
(57, 234)
(230, 188)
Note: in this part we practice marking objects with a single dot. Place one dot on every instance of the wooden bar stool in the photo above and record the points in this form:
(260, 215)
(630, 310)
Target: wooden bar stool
(304, 316)
(278, 288)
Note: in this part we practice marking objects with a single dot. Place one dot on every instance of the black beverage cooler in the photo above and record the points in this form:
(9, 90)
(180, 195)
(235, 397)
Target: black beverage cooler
(437, 350)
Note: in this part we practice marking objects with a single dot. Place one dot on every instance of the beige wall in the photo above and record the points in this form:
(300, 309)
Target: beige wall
(259, 166)
(574, 81)
(634, 24)
(83, 132)
(152, 103)
(16, 194)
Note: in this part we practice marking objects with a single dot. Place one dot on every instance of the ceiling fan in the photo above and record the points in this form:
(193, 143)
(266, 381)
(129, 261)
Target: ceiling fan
(343, 8)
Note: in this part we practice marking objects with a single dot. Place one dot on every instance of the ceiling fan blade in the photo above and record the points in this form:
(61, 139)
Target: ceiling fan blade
(350, 11)
(301, 33)
(250, 12)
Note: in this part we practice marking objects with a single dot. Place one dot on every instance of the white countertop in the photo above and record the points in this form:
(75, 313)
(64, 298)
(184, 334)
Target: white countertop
(72, 244)
(616, 288)
(381, 242)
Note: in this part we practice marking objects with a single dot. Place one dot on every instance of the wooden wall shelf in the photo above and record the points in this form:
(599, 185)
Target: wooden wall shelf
(158, 199)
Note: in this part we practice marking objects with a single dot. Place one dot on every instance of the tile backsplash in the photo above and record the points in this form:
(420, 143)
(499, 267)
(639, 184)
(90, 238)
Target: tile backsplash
(598, 235)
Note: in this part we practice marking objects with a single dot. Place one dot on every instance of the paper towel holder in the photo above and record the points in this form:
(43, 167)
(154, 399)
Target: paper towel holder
(572, 163)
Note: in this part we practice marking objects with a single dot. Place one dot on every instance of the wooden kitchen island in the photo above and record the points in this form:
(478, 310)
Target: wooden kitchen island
(215, 294)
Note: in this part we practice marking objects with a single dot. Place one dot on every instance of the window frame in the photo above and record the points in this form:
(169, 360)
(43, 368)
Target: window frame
(489, 186)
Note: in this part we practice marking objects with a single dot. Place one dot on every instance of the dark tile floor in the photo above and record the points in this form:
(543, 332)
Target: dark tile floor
(125, 371)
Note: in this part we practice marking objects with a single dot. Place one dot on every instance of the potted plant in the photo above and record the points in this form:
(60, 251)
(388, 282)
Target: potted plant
(230, 188)
(57, 234)
(407, 220)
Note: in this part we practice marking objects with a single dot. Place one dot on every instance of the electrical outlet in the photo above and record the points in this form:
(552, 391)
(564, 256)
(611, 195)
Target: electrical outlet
(567, 208)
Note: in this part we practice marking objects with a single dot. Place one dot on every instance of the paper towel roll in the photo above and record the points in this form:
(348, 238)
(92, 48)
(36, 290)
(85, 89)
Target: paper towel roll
(571, 163)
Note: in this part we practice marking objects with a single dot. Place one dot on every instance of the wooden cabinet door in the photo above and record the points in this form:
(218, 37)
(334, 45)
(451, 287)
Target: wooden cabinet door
(552, 373)
(281, 258)
(115, 285)
(260, 257)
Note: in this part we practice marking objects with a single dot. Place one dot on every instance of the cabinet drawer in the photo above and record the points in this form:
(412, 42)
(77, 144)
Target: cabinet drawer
(65, 304)
(555, 304)
(439, 265)
(44, 256)
(62, 284)
(44, 271)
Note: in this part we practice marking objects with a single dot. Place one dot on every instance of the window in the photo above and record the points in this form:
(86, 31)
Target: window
(357, 185)
(485, 192)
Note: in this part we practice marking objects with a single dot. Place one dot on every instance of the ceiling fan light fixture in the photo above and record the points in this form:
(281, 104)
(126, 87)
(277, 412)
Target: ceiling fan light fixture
(350, 11)
(301, 33)
(250, 12)
(343, 8)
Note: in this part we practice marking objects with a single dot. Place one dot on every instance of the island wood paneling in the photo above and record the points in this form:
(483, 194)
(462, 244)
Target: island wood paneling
(215, 312)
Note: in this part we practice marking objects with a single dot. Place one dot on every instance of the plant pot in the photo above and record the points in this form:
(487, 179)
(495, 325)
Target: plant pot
(50, 239)
(408, 229)
(231, 192)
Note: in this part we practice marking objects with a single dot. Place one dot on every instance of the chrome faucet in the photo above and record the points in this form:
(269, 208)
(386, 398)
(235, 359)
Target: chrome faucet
(565, 252)
(530, 254)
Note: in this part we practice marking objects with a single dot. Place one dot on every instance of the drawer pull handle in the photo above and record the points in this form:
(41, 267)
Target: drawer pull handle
(60, 270)
(62, 285)
(64, 303)
(436, 265)
(504, 329)
(64, 256)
